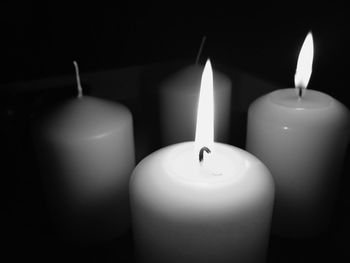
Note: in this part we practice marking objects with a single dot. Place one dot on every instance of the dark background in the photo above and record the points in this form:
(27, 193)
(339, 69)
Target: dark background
(41, 40)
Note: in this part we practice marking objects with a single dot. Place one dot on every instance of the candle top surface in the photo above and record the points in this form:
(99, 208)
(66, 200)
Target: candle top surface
(313, 109)
(224, 164)
(311, 99)
(221, 165)
(173, 176)
(87, 118)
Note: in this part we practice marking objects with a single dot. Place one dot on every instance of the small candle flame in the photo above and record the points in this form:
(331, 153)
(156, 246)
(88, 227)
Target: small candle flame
(205, 113)
(304, 65)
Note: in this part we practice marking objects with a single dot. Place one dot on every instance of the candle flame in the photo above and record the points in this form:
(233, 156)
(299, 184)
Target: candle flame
(205, 112)
(304, 65)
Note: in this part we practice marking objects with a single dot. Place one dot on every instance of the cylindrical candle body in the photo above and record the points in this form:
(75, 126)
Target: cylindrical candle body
(86, 150)
(182, 215)
(302, 142)
(178, 105)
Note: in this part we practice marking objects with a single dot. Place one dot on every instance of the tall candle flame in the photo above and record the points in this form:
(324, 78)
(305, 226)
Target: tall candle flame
(205, 113)
(304, 65)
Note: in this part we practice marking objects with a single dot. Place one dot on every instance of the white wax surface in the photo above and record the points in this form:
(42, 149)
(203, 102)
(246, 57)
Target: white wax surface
(303, 143)
(184, 212)
(86, 149)
(179, 102)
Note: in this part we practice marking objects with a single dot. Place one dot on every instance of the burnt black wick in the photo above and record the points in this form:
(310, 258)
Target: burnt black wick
(201, 153)
(300, 91)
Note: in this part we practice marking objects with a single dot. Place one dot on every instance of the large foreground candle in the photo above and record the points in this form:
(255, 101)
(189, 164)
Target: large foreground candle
(178, 101)
(86, 149)
(201, 201)
(301, 137)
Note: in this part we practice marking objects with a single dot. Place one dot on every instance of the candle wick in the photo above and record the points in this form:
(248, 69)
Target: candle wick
(80, 90)
(300, 92)
(201, 153)
(200, 49)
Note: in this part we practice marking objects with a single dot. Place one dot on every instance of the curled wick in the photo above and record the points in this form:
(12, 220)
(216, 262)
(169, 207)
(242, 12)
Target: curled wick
(80, 90)
(201, 153)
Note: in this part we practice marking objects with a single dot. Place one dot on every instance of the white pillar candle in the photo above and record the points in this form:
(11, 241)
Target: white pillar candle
(302, 139)
(178, 97)
(214, 210)
(86, 150)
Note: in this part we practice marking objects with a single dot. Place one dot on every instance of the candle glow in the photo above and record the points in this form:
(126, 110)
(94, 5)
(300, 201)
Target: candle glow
(304, 65)
(178, 101)
(178, 202)
(302, 140)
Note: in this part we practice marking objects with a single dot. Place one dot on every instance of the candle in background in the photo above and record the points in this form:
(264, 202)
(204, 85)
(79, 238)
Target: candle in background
(201, 201)
(178, 99)
(301, 135)
(86, 150)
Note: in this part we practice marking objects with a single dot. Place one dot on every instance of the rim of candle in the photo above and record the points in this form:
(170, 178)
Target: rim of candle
(313, 99)
(80, 90)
